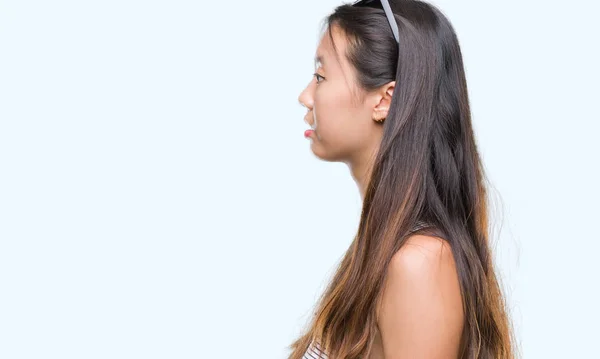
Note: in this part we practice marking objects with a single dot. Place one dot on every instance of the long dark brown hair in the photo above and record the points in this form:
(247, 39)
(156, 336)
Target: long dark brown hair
(427, 170)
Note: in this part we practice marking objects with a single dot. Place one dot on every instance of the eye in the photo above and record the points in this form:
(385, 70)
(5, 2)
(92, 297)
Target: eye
(317, 76)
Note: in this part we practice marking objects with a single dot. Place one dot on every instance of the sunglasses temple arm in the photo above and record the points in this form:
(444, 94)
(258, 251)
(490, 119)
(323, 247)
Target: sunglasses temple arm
(391, 19)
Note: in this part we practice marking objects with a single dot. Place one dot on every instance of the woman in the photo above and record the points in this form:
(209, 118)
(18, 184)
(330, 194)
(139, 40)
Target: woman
(389, 99)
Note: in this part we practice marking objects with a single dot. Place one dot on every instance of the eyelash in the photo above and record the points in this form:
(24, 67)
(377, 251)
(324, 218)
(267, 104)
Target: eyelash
(317, 76)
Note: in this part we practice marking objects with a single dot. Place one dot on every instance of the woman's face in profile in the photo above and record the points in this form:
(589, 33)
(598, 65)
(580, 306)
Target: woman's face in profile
(343, 128)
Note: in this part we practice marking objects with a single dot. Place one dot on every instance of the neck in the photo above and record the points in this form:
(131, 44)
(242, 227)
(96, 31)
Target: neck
(360, 168)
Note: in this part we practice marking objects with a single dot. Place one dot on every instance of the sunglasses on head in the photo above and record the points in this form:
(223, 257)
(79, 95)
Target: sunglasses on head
(385, 5)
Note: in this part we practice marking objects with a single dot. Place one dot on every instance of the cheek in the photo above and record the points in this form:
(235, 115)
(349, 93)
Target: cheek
(332, 110)
(342, 127)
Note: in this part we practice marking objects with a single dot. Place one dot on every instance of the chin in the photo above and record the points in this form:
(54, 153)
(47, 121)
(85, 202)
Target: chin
(322, 154)
(317, 150)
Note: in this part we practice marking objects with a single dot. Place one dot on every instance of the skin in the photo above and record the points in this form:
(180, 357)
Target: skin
(419, 312)
(346, 127)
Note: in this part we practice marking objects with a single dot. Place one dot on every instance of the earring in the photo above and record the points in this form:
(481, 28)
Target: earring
(381, 119)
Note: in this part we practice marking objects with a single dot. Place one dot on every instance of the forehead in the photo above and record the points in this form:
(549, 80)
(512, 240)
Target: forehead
(326, 56)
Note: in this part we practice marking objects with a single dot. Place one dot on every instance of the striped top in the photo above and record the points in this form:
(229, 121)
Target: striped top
(314, 350)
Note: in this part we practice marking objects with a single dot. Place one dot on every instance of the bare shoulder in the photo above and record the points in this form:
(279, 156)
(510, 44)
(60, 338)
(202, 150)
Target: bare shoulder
(422, 253)
(421, 301)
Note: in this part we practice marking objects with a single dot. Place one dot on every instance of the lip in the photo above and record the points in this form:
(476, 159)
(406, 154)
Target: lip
(313, 126)
(312, 131)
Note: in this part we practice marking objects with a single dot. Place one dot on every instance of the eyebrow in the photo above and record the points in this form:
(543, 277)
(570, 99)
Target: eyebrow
(319, 60)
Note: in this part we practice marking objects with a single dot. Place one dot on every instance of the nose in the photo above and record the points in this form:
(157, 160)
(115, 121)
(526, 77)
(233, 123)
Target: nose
(306, 96)
(306, 100)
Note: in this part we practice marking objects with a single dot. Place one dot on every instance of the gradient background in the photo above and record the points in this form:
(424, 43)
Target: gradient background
(158, 198)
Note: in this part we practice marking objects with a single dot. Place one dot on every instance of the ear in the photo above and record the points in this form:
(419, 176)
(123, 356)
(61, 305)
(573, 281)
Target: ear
(383, 98)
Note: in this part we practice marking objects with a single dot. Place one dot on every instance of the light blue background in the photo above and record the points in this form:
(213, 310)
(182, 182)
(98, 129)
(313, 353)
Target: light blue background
(158, 198)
